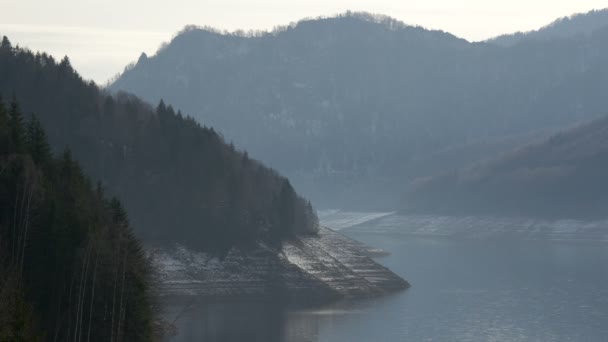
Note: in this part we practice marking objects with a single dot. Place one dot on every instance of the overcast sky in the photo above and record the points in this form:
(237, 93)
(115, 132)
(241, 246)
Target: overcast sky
(102, 36)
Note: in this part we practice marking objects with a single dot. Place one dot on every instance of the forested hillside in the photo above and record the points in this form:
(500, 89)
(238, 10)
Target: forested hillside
(358, 101)
(565, 176)
(566, 28)
(179, 180)
(70, 266)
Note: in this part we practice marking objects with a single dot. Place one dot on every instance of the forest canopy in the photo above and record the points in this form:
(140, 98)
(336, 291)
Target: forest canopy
(70, 266)
(180, 181)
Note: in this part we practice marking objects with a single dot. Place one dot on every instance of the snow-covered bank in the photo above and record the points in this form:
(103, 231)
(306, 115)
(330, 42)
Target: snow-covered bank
(485, 226)
(338, 220)
(328, 266)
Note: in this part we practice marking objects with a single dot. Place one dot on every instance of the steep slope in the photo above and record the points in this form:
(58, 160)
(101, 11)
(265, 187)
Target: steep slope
(348, 106)
(63, 248)
(179, 181)
(562, 177)
(565, 28)
(329, 266)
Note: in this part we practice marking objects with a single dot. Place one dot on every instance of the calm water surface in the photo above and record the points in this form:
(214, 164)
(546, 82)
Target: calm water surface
(462, 290)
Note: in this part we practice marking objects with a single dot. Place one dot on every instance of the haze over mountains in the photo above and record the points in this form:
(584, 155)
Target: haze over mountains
(356, 110)
(179, 180)
(352, 108)
(67, 251)
(566, 27)
(564, 176)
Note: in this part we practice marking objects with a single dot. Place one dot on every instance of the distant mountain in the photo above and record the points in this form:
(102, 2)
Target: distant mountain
(180, 182)
(71, 266)
(565, 28)
(565, 176)
(348, 107)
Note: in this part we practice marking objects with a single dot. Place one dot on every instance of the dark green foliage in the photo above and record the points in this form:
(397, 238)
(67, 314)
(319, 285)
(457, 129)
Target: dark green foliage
(37, 142)
(70, 267)
(16, 317)
(179, 181)
(286, 213)
(16, 127)
(6, 44)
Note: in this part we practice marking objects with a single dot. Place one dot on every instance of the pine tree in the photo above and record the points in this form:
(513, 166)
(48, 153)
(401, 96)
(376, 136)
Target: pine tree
(37, 142)
(4, 129)
(61, 242)
(6, 44)
(119, 214)
(179, 181)
(16, 127)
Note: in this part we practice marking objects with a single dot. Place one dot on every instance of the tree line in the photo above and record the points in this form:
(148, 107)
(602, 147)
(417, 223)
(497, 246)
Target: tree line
(70, 266)
(338, 103)
(180, 181)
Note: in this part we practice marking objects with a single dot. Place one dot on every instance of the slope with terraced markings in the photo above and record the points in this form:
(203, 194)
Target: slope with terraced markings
(327, 266)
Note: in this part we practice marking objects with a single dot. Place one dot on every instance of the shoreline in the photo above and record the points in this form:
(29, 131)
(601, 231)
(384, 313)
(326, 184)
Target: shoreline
(320, 269)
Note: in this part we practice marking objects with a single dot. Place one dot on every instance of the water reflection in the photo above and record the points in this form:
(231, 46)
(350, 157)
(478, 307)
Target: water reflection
(463, 290)
(231, 321)
(267, 321)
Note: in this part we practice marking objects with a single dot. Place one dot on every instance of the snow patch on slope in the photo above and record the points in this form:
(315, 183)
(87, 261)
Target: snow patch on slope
(478, 227)
(338, 220)
(329, 265)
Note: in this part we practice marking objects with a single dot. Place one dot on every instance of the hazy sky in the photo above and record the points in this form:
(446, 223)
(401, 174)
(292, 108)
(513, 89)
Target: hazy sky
(102, 36)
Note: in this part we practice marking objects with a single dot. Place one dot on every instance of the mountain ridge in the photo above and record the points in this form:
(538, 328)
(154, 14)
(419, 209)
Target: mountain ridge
(565, 27)
(562, 177)
(346, 107)
(179, 180)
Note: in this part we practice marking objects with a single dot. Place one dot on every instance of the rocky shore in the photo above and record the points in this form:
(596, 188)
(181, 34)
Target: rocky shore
(327, 266)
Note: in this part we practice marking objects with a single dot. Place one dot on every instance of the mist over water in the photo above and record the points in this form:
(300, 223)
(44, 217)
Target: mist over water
(463, 289)
(195, 178)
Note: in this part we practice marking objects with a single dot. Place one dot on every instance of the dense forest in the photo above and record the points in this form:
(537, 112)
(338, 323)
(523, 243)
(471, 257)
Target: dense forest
(70, 266)
(343, 102)
(564, 176)
(580, 24)
(178, 180)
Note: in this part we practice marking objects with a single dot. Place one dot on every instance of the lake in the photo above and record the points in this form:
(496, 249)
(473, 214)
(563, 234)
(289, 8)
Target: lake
(494, 288)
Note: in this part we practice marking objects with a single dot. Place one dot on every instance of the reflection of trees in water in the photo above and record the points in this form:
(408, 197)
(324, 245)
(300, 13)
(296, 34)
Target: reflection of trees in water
(266, 321)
